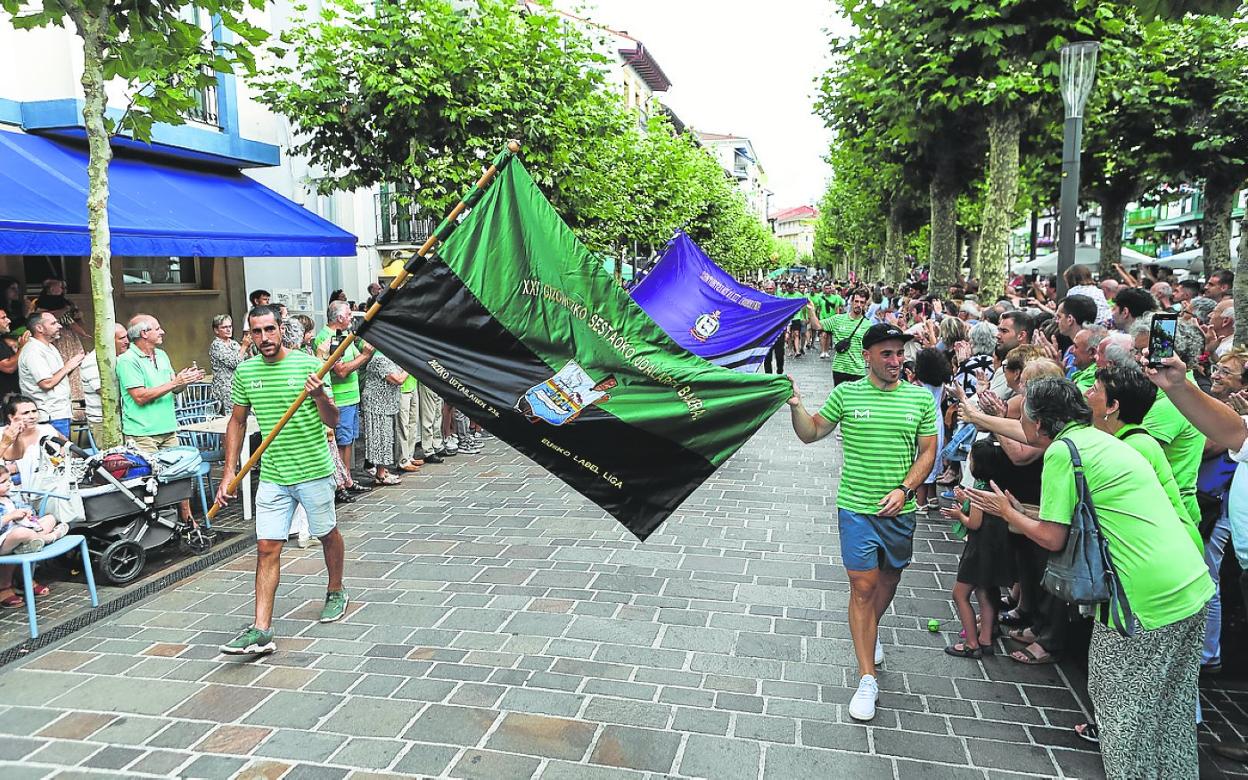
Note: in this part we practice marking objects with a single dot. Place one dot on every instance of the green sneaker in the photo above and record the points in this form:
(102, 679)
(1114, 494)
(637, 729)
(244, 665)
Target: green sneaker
(335, 606)
(253, 641)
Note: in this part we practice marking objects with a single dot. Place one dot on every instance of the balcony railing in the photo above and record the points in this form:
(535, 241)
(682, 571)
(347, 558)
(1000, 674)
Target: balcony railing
(398, 223)
(206, 109)
(1144, 216)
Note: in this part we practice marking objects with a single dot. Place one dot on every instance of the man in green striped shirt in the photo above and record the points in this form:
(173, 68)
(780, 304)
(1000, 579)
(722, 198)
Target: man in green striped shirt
(297, 470)
(890, 445)
(846, 330)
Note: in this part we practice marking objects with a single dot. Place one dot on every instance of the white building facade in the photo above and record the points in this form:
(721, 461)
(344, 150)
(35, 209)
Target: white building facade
(737, 157)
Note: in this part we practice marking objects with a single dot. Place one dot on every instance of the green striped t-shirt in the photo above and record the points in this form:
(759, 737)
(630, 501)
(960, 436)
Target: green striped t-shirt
(842, 326)
(881, 430)
(300, 452)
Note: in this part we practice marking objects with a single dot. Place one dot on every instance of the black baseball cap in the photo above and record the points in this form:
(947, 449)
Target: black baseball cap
(883, 332)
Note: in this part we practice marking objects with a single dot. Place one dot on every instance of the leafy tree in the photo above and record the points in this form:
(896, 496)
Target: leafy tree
(416, 92)
(1210, 67)
(164, 56)
(1131, 121)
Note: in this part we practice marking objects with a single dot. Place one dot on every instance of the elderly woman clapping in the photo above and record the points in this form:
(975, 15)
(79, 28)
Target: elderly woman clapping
(1143, 686)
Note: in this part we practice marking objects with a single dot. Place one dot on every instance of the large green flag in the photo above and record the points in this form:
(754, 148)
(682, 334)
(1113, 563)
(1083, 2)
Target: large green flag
(515, 323)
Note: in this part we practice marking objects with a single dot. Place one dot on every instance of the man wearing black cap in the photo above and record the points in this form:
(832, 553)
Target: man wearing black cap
(889, 431)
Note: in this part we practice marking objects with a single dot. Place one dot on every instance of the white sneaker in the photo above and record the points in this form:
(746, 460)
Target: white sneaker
(305, 540)
(862, 706)
(879, 652)
(823, 355)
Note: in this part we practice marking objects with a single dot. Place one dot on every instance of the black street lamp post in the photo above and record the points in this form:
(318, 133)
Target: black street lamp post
(1077, 75)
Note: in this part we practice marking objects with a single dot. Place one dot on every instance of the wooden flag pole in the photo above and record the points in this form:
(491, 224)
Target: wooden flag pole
(439, 235)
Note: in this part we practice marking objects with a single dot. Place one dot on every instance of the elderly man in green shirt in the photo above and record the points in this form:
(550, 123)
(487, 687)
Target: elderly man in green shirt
(148, 384)
(1083, 350)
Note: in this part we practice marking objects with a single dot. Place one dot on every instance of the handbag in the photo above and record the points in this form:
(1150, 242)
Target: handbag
(842, 346)
(1082, 572)
(54, 491)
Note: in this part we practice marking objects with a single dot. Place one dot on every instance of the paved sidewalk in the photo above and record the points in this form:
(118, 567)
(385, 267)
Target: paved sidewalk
(503, 627)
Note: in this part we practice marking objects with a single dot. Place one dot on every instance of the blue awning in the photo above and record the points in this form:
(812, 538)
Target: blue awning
(154, 209)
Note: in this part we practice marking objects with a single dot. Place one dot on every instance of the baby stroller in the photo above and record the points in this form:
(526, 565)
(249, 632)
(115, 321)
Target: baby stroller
(128, 504)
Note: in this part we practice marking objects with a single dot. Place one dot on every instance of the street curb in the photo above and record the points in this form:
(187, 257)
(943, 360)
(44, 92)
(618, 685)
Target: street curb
(22, 650)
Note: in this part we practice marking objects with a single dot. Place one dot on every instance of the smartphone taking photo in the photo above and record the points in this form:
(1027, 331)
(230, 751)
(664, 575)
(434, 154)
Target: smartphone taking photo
(1161, 337)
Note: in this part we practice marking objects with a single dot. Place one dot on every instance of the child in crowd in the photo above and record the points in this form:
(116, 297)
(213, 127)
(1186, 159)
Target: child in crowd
(987, 562)
(21, 532)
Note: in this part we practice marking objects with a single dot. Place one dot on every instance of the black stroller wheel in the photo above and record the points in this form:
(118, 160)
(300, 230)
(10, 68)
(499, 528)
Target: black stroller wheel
(195, 540)
(122, 561)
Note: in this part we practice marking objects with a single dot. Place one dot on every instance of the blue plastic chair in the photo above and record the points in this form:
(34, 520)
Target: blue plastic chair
(54, 550)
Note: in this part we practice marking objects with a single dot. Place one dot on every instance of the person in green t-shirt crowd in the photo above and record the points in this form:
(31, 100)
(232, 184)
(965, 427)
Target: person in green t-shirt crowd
(1083, 351)
(889, 438)
(1182, 442)
(297, 469)
(148, 384)
(1144, 686)
(827, 305)
(845, 332)
(796, 335)
(345, 381)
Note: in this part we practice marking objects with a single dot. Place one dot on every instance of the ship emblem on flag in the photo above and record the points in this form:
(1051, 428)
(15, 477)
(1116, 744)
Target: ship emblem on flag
(705, 326)
(564, 396)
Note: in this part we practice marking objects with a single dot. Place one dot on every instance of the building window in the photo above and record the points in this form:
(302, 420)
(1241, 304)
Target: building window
(206, 108)
(148, 273)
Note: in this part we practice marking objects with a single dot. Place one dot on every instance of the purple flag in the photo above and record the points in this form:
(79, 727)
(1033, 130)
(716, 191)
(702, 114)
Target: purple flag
(708, 312)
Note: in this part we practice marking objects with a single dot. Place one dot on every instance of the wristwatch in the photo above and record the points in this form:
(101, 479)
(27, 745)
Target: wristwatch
(908, 491)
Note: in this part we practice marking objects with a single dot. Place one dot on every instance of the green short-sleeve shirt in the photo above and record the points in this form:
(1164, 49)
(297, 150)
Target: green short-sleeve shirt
(346, 389)
(881, 430)
(1164, 576)
(300, 452)
(842, 326)
(826, 305)
(1147, 446)
(1183, 444)
(1085, 377)
(134, 369)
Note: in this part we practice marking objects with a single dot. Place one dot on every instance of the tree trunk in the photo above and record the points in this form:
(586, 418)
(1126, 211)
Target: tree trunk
(92, 29)
(943, 193)
(1003, 134)
(972, 255)
(894, 237)
(1240, 289)
(1113, 214)
(1216, 225)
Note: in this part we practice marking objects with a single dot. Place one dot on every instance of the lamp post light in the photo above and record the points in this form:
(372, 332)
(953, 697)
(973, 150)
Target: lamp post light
(1078, 72)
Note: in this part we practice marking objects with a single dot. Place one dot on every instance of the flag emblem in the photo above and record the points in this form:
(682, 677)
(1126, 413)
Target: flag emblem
(564, 396)
(705, 326)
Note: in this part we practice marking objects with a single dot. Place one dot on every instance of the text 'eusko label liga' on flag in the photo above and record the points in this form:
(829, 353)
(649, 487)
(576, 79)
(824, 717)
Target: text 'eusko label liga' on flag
(515, 323)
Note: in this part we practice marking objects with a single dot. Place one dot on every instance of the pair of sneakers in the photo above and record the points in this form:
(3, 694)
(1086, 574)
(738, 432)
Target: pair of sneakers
(862, 705)
(259, 641)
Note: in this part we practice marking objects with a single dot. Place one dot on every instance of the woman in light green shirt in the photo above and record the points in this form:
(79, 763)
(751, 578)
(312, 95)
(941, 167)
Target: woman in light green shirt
(1144, 686)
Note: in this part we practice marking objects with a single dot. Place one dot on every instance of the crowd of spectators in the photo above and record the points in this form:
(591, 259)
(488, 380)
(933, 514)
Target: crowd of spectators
(1021, 377)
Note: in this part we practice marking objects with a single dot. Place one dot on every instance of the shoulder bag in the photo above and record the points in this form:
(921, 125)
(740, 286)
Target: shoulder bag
(1082, 572)
(842, 346)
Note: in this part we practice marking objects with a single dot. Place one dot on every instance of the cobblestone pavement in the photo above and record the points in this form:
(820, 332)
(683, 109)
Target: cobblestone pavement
(503, 627)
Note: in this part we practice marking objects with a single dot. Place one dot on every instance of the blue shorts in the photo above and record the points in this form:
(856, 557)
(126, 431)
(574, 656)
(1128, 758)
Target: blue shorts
(61, 425)
(275, 507)
(348, 428)
(873, 542)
